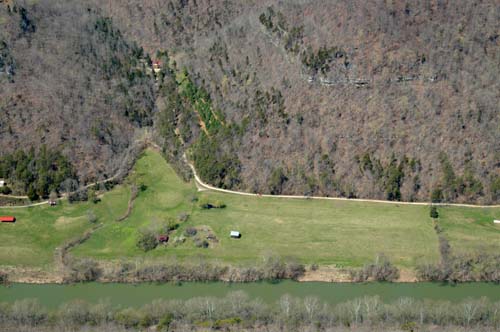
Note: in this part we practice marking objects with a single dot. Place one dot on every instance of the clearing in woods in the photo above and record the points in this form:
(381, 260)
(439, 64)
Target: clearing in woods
(340, 233)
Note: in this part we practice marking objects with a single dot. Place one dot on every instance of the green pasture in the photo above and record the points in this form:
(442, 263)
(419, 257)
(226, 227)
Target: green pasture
(312, 231)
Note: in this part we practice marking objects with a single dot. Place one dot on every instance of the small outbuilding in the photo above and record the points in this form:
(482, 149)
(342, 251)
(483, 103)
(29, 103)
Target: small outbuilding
(3, 183)
(156, 66)
(496, 221)
(163, 238)
(235, 234)
(7, 219)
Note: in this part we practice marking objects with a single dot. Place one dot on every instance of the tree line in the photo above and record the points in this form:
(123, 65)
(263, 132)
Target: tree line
(36, 172)
(239, 312)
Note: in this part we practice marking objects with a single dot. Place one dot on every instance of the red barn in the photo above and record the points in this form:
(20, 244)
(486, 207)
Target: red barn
(7, 219)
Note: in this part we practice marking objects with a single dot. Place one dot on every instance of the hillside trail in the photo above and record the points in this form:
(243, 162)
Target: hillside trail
(62, 196)
(204, 186)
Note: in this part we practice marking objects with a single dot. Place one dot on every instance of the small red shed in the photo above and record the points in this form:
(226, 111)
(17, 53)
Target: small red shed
(163, 238)
(7, 219)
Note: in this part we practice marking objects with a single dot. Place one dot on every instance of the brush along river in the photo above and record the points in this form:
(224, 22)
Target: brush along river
(128, 295)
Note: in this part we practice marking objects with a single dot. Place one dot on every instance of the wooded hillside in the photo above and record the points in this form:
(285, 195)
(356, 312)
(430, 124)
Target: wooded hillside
(395, 100)
(71, 82)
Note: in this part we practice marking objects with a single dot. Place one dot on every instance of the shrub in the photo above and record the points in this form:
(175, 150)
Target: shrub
(92, 196)
(147, 241)
(172, 225)
(191, 231)
(78, 196)
(4, 278)
(433, 212)
(495, 187)
(32, 194)
(206, 204)
(91, 216)
(201, 243)
(165, 322)
(436, 195)
(183, 217)
(6, 190)
(83, 270)
(380, 270)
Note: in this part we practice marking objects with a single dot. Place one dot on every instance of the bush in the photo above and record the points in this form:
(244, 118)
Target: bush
(380, 270)
(433, 212)
(92, 196)
(436, 195)
(206, 204)
(32, 194)
(83, 270)
(183, 217)
(172, 225)
(201, 243)
(191, 231)
(91, 217)
(4, 278)
(165, 322)
(6, 190)
(78, 196)
(147, 241)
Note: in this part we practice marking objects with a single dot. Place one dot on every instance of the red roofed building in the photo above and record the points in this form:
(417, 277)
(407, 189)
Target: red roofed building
(163, 238)
(7, 219)
(156, 66)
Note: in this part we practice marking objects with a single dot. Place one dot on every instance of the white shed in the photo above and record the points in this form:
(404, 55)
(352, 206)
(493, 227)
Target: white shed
(496, 221)
(235, 234)
(2, 183)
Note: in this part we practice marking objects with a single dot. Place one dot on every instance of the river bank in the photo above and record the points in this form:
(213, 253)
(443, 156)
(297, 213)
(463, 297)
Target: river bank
(327, 274)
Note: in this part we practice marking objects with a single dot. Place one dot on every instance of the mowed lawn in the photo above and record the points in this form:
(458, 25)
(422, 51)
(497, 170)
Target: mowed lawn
(471, 230)
(39, 230)
(312, 231)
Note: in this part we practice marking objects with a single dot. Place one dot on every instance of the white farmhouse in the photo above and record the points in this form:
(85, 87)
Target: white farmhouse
(2, 183)
(496, 221)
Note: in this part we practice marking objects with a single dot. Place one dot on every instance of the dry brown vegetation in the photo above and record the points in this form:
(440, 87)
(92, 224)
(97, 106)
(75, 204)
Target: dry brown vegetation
(69, 80)
(429, 88)
(394, 100)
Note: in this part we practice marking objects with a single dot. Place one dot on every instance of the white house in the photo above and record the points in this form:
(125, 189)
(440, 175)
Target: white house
(2, 183)
(235, 234)
(496, 221)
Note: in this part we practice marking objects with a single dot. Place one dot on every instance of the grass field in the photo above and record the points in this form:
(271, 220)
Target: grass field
(39, 230)
(312, 231)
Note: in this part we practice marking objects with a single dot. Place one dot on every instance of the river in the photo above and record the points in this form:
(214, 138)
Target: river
(137, 295)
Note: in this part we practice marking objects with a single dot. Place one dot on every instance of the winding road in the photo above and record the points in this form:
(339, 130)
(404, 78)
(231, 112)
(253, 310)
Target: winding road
(204, 186)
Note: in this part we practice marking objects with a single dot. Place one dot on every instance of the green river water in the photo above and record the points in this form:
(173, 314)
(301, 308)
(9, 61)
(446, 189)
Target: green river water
(137, 295)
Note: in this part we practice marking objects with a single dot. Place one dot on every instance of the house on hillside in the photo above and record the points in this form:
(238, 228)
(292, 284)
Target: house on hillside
(235, 234)
(3, 183)
(7, 219)
(156, 66)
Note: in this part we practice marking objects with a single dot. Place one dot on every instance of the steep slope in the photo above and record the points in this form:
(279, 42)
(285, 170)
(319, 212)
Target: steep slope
(70, 81)
(394, 100)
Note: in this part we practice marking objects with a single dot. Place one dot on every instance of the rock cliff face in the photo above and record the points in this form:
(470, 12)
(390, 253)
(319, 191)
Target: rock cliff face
(381, 99)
